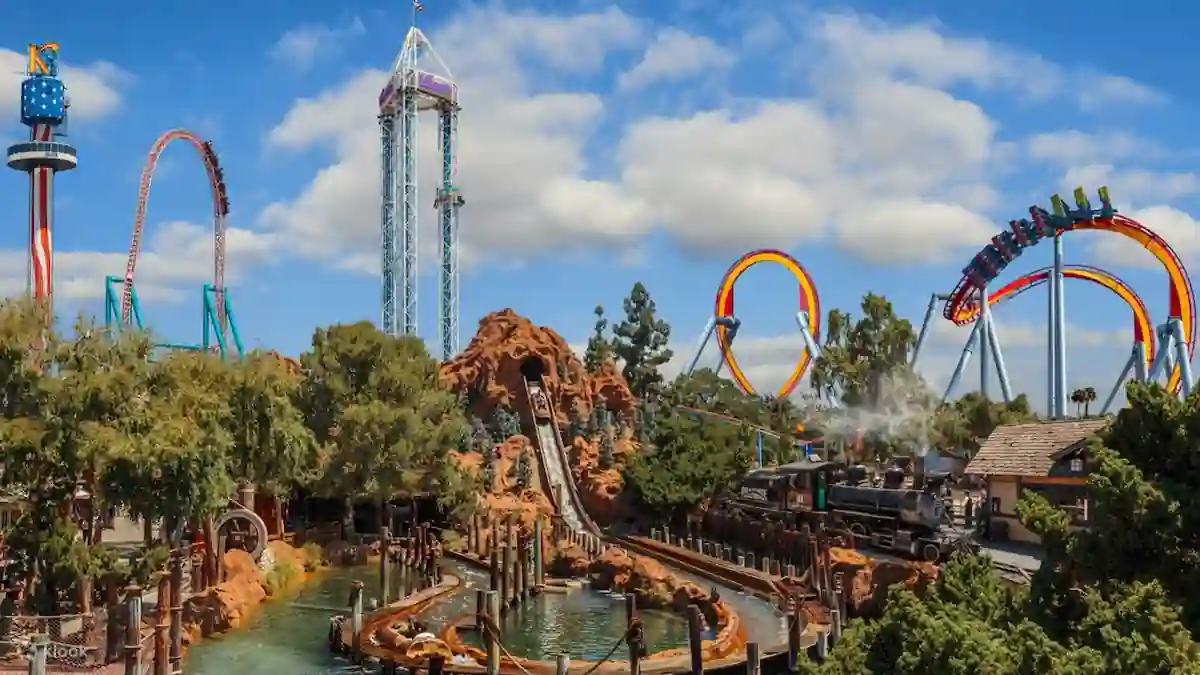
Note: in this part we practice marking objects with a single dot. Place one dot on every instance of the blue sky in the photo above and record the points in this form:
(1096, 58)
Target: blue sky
(602, 144)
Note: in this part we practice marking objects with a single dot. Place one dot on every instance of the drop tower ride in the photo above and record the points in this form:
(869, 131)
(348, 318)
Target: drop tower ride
(44, 110)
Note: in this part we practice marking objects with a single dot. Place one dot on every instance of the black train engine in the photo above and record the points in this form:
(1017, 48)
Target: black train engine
(809, 494)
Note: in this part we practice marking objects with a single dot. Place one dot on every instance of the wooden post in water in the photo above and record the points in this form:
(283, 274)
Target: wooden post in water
(437, 664)
(695, 644)
(385, 577)
(133, 629)
(562, 664)
(162, 625)
(490, 639)
(633, 634)
(481, 611)
(176, 650)
(522, 572)
(753, 661)
(505, 577)
(795, 628)
(539, 563)
(494, 570)
(356, 621)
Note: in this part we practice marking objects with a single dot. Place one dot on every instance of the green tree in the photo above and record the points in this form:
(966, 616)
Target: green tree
(506, 424)
(689, 462)
(640, 341)
(524, 470)
(599, 349)
(962, 425)
(272, 446)
(377, 407)
(606, 449)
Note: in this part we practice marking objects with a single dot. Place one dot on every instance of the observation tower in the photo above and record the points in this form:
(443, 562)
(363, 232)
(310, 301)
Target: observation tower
(44, 110)
(410, 90)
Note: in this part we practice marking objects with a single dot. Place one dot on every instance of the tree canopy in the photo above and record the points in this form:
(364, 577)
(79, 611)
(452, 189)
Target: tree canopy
(1116, 597)
(96, 418)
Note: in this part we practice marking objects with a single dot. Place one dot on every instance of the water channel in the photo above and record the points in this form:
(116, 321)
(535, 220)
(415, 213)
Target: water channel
(287, 635)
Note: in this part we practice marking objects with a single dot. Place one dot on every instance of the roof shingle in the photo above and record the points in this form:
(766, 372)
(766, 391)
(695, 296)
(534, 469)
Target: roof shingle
(1029, 449)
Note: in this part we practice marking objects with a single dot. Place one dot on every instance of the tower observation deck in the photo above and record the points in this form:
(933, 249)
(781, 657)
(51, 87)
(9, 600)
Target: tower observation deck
(411, 89)
(44, 108)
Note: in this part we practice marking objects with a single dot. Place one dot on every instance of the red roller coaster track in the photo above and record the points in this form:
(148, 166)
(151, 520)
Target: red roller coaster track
(220, 206)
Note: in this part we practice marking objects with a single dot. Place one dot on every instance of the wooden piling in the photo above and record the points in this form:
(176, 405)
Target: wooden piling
(695, 644)
(385, 576)
(539, 555)
(505, 577)
(753, 660)
(494, 570)
(562, 664)
(437, 664)
(480, 611)
(162, 626)
(490, 639)
(133, 629)
(356, 621)
(634, 638)
(795, 627)
(176, 650)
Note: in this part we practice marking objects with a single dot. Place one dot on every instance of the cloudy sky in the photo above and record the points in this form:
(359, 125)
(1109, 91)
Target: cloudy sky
(602, 144)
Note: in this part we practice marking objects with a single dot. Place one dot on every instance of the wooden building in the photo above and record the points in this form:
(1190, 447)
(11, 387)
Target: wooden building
(1050, 458)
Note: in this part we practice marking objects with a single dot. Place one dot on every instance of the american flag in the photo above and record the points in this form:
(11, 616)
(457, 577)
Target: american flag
(417, 6)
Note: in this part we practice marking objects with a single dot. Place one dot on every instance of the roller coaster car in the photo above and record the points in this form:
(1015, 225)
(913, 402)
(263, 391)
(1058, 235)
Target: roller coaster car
(541, 407)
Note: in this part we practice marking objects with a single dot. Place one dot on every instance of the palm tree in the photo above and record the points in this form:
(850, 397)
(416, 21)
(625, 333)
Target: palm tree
(1079, 396)
(1089, 396)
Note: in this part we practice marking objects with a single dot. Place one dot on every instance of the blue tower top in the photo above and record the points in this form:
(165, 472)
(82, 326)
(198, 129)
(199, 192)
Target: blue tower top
(43, 96)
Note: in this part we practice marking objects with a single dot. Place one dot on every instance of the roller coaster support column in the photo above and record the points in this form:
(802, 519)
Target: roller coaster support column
(814, 349)
(985, 318)
(998, 360)
(934, 300)
(758, 456)
(1060, 324)
(730, 323)
(1135, 364)
(1172, 350)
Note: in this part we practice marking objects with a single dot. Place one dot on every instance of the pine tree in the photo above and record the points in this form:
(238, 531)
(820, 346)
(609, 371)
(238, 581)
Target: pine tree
(481, 440)
(524, 470)
(506, 424)
(578, 424)
(606, 450)
(599, 349)
(640, 342)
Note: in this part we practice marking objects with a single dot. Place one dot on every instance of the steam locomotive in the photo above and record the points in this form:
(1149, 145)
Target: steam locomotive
(810, 494)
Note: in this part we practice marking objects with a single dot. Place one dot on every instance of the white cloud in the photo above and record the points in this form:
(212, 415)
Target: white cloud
(879, 156)
(94, 89)
(301, 47)
(176, 259)
(521, 148)
(1134, 185)
(675, 55)
(921, 52)
(1074, 147)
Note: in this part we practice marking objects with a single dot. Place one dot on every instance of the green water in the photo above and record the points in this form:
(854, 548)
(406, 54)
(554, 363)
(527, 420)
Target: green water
(287, 638)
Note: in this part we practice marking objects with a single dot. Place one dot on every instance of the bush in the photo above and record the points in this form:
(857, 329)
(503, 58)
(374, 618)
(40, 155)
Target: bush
(314, 556)
(279, 577)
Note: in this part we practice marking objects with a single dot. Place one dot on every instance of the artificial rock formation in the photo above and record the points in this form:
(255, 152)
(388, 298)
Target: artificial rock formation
(230, 603)
(868, 579)
(505, 498)
(600, 488)
(491, 372)
(507, 348)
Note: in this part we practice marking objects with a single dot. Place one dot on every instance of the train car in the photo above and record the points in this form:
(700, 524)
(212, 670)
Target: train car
(813, 494)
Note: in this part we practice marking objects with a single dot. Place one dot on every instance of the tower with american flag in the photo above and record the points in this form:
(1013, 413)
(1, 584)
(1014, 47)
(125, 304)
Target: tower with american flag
(44, 110)
(419, 81)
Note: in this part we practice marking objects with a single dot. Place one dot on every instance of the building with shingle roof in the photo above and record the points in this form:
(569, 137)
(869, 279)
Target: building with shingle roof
(1049, 457)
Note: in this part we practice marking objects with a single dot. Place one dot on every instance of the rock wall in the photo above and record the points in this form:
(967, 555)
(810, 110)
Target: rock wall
(601, 489)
